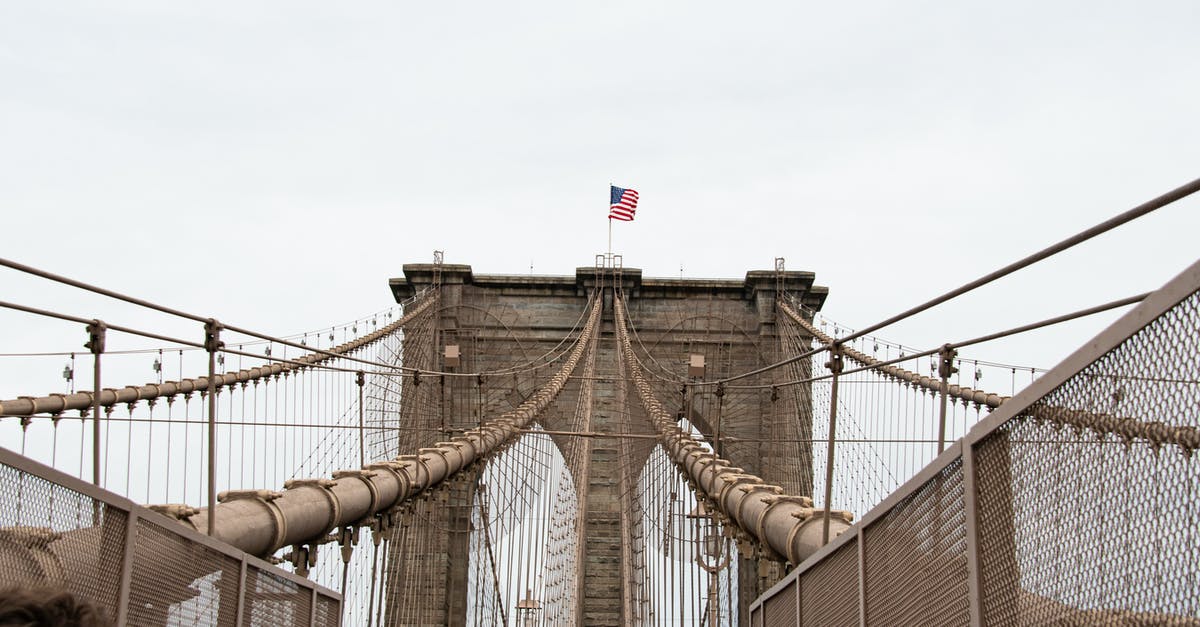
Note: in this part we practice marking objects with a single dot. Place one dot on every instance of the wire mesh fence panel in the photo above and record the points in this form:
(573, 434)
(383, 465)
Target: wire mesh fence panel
(328, 611)
(54, 538)
(1082, 506)
(61, 535)
(781, 608)
(176, 582)
(915, 557)
(756, 617)
(829, 590)
(1088, 500)
(275, 600)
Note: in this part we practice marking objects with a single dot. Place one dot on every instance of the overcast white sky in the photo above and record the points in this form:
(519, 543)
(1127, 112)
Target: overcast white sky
(273, 164)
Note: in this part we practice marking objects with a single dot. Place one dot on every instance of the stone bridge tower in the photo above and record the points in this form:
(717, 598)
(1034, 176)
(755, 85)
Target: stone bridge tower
(496, 321)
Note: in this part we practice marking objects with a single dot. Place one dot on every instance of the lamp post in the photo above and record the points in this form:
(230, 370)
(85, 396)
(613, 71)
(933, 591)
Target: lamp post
(712, 547)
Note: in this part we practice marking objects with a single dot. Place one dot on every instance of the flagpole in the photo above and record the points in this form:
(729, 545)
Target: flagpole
(610, 237)
(610, 186)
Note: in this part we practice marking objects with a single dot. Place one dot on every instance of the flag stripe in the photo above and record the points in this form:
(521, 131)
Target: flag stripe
(623, 204)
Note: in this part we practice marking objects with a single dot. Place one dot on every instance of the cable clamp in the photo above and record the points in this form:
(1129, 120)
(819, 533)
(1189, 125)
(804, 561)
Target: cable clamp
(835, 364)
(96, 332)
(946, 365)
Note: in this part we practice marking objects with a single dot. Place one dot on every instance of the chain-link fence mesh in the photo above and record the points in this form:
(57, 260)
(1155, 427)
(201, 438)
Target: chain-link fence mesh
(178, 582)
(275, 600)
(50, 534)
(783, 608)
(1086, 504)
(58, 534)
(829, 591)
(1088, 500)
(327, 611)
(916, 566)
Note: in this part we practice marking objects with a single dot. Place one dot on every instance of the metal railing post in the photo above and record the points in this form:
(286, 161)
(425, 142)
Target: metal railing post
(945, 369)
(862, 578)
(126, 567)
(799, 602)
(241, 596)
(96, 332)
(835, 366)
(971, 513)
(361, 379)
(212, 344)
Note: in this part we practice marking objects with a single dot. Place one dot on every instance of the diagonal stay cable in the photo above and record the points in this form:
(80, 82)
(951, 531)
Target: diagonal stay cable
(1083, 236)
(1087, 234)
(888, 367)
(50, 276)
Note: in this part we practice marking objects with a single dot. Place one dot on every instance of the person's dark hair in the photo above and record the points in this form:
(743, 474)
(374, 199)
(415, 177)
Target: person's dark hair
(46, 607)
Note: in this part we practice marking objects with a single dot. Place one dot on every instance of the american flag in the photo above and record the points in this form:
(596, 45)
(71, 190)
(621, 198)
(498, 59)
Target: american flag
(624, 204)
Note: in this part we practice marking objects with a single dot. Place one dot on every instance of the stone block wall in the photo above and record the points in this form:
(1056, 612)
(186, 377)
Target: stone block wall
(512, 323)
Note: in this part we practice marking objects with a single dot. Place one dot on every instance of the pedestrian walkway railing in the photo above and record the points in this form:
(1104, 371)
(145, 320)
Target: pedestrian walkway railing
(58, 533)
(1075, 502)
